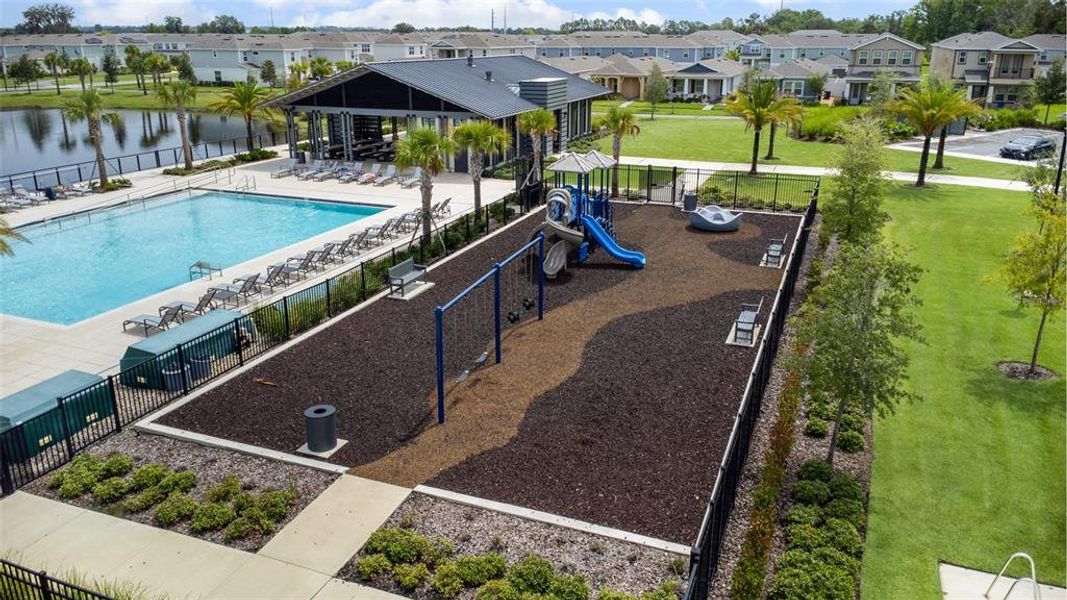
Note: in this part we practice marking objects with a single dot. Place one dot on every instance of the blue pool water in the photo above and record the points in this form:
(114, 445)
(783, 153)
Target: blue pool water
(71, 269)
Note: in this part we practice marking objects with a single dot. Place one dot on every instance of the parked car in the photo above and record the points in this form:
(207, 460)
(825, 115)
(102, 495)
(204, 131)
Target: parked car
(1028, 147)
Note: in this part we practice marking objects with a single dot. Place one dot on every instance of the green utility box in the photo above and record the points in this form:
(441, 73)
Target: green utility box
(34, 412)
(210, 336)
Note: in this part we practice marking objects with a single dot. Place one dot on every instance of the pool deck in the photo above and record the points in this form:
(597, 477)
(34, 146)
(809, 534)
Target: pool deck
(32, 351)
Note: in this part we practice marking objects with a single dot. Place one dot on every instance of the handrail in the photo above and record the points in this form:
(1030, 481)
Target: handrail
(1033, 577)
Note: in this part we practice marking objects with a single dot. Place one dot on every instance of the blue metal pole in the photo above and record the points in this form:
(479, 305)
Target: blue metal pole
(541, 277)
(439, 317)
(496, 309)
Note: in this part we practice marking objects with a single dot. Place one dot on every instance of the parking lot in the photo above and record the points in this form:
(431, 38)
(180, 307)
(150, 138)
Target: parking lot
(987, 145)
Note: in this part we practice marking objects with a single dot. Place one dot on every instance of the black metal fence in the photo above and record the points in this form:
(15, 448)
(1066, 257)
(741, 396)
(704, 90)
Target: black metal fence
(48, 441)
(734, 189)
(20, 583)
(149, 159)
(704, 558)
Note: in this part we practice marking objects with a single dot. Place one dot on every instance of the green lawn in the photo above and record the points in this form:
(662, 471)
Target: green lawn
(727, 141)
(121, 97)
(975, 471)
(664, 108)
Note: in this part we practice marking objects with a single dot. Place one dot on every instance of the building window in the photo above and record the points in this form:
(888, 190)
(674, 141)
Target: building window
(863, 57)
(793, 88)
(781, 54)
(892, 57)
(905, 57)
(685, 54)
(365, 48)
(218, 76)
(292, 57)
(1044, 56)
(961, 58)
(485, 53)
(876, 57)
(411, 50)
(983, 58)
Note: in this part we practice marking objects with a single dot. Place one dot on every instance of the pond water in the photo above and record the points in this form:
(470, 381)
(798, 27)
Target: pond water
(33, 139)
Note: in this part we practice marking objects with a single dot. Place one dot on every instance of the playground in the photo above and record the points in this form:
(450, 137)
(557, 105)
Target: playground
(614, 409)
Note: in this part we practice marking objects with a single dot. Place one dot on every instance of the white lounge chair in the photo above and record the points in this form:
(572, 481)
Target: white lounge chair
(154, 322)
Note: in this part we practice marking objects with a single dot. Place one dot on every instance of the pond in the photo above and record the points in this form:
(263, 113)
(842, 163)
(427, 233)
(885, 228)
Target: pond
(32, 139)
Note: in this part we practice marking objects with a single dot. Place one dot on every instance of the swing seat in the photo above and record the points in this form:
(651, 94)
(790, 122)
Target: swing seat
(404, 274)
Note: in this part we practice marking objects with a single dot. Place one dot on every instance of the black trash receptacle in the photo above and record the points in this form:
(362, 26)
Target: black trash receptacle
(301, 157)
(173, 374)
(200, 367)
(689, 202)
(321, 423)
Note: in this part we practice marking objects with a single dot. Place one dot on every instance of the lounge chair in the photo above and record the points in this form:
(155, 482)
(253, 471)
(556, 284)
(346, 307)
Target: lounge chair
(714, 218)
(154, 322)
(12, 201)
(81, 187)
(34, 197)
(351, 244)
(315, 169)
(332, 169)
(412, 180)
(410, 221)
(67, 191)
(444, 209)
(249, 284)
(351, 172)
(388, 176)
(371, 174)
(276, 277)
(206, 303)
(383, 231)
(295, 267)
(285, 171)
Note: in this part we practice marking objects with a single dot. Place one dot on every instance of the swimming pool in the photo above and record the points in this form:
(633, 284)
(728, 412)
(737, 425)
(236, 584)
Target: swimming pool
(75, 268)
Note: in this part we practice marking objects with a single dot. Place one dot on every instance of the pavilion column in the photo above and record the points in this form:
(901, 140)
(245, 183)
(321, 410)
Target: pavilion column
(705, 92)
(290, 130)
(393, 122)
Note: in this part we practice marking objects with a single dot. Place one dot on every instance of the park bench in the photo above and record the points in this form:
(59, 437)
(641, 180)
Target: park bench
(745, 326)
(403, 274)
(774, 252)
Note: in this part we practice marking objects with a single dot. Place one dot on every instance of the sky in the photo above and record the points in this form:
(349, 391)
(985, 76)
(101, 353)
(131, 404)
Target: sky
(434, 13)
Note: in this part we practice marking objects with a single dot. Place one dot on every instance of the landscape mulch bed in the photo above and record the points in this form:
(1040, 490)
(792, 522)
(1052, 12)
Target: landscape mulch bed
(211, 465)
(615, 409)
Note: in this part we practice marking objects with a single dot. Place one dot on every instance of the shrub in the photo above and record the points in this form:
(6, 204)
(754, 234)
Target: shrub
(849, 441)
(476, 570)
(239, 528)
(851, 421)
(816, 428)
(182, 481)
(398, 545)
(569, 587)
(668, 590)
(212, 517)
(816, 470)
(810, 560)
(373, 565)
(611, 594)
(410, 577)
(439, 550)
(83, 472)
(811, 492)
(822, 581)
(177, 507)
(498, 589)
(243, 501)
(805, 537)
(842, 535)
(848, 510)
(148, 476)
(896, 130)
(144, 500)
(532, 575)
(223, 491)
(820, 409)
(258, 519)
(270, 323)
(116, 465)
(446, 581)
(844, 486)
(110, 490)
(803, 514)
(274, 504)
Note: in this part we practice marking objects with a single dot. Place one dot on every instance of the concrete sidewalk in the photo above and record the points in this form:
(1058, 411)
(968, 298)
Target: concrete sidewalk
(982, 182)
(959, 583)
(297, 564)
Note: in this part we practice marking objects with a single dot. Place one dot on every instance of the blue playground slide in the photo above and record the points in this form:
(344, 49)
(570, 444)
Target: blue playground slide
(592, 228)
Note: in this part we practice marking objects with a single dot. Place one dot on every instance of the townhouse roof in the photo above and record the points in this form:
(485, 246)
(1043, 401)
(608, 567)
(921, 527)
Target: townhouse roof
(576, 65)
(727, 68)
(985, 40)
(1048, 41)
(481, 40)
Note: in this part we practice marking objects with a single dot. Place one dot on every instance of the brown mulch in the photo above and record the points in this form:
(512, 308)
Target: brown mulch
(1014, 369)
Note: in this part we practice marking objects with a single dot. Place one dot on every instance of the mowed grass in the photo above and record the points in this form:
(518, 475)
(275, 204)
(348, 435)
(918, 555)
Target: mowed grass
(975, 471)
(727, 141)
(120, 97)
(692, 109)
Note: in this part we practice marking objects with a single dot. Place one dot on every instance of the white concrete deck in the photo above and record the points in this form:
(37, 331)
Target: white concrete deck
(960, 583)
(32, 351)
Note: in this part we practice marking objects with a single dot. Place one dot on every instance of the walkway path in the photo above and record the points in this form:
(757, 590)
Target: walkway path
(959, 583)
(982, 182)
(297, 564)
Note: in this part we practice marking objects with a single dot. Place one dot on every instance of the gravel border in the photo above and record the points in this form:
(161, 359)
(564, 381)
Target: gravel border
(603, 561)
(211, 465)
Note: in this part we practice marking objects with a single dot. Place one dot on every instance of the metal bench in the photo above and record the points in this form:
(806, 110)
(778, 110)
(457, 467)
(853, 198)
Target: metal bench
(775, 251)
(403, 274)
(745, 326)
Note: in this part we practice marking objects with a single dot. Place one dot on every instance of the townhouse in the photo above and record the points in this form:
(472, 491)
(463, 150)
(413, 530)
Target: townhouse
(619, 73)
(994, 68)
(93, 47)
(462, 45)
(1053, 48)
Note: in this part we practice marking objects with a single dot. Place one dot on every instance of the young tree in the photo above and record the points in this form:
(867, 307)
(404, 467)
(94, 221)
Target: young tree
(1034, 268)
(655, 88)
(184, 66)
(759, 107)
(538, 124)
(882, 90)
(321, 67)
(815, 84)
(267, 73)
(791, 112)
(89, 106)
(851, 204)
(1051, 87)
(480, 138)
(342, 65)
(55, 61)
(245, 99)
(854, 324)
(618, 122)
(178, 95)
(111, 69)
(298, 70)
(928, 107)
(958, 107)
(25, 71)
(733, 54)
(427, 149)
(82, 68)
(157, 64)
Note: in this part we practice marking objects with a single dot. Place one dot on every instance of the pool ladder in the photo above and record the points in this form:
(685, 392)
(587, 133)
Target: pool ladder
(248, 182)
(1032, 579)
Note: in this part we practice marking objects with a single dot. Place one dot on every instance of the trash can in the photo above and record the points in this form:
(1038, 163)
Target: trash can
(200, 367)
(689, 202)
(321, 423)
(301, 157)
(173, 375)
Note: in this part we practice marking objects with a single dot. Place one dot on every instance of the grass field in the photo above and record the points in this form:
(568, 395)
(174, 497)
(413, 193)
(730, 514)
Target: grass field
(120, 97)
(727, 141)
(692, 109)
(975, 471)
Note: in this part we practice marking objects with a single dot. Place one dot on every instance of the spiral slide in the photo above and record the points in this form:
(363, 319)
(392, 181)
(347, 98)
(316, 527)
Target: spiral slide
(594, 230)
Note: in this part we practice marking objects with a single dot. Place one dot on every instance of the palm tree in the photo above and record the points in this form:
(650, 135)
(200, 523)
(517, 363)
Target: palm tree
(89, 106)
(790, 112)
(156, 64)
(321, 67)
(537, 124)
(427, 149)
(7, 234)
(245, 98)
(960, 107)
(298, 69)
(618, 122)
(759, 107)
(179, 94)
(480, 138)
(55, 61)
(135, 65)
(928, 107)
(82, 68)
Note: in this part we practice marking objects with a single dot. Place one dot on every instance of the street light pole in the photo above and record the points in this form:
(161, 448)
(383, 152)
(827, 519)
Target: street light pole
(1059, 169)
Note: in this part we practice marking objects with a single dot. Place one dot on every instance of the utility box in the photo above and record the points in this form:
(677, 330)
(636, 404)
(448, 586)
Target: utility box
(34, 412)
(211, 336)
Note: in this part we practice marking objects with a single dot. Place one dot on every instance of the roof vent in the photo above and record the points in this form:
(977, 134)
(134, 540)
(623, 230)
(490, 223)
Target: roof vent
(470, 61)
(488, 75)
